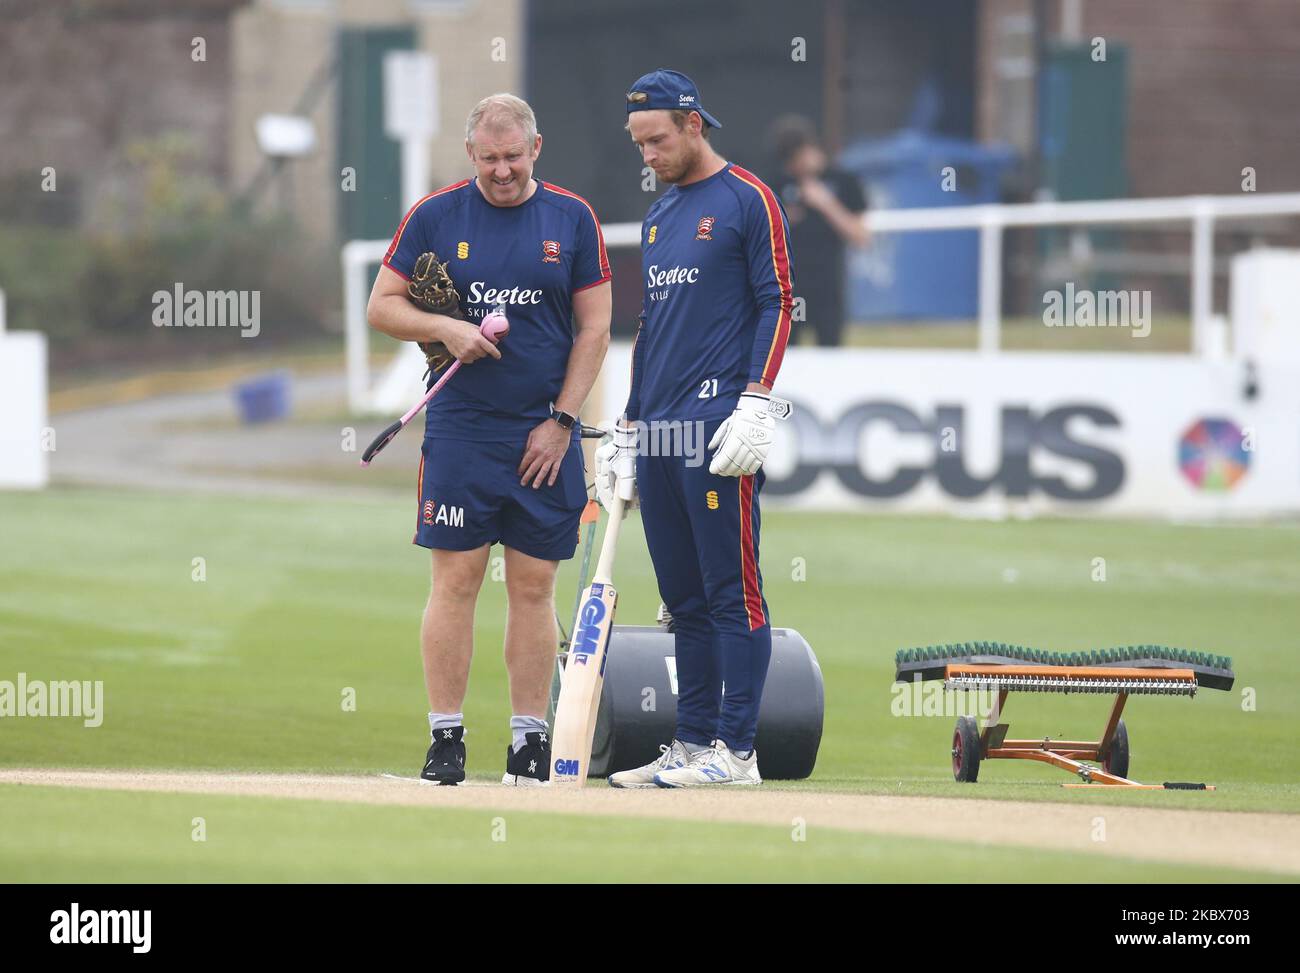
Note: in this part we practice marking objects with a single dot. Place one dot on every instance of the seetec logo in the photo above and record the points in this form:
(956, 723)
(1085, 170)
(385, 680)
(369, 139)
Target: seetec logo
(658, 282)
(133, 926)
(481, 293)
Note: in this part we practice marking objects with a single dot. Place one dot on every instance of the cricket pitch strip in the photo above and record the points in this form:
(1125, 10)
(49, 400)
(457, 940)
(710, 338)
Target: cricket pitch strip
(1261, 841)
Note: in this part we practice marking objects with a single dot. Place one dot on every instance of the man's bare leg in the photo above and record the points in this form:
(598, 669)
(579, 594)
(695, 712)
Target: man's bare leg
(531, 637)
(447, 632)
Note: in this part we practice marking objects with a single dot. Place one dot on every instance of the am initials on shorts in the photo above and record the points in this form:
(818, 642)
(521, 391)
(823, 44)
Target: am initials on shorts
(446, 514)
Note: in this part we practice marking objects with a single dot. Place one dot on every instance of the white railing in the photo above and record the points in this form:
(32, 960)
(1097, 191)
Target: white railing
(1202, 212)
(357, 257)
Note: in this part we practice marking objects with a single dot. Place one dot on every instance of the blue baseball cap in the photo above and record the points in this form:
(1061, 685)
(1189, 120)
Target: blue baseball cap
(669, 91)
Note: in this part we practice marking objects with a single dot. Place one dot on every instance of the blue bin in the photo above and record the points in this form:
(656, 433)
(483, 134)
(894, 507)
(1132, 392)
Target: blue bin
(923, 274)
(264, 398)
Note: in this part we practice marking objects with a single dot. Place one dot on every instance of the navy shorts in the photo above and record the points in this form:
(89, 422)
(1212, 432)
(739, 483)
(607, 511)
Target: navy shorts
(470, 496)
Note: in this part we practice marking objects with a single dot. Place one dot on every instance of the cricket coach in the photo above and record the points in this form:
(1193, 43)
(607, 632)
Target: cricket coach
(715, 320)
(501, 460)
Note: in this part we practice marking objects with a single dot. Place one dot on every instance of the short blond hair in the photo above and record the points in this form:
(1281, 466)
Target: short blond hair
(502, 110)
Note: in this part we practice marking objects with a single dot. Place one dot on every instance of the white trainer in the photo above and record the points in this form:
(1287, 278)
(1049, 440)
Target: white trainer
(528, 767)
(716, 766)
(520, 780)
(670, 757)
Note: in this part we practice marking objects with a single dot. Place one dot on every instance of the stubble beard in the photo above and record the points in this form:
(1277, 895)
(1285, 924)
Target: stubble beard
(683, 169)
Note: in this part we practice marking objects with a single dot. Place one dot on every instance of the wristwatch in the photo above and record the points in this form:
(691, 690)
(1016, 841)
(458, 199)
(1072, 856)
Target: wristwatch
(565, 420)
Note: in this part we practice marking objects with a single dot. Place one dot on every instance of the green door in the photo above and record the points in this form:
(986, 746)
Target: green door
(373, 210)
(1084, 122)
(1083, 132)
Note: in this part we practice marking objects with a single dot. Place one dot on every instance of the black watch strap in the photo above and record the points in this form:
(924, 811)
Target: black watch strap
(563, 418)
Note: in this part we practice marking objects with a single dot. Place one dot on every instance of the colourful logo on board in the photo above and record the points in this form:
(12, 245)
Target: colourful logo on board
(1212, 455)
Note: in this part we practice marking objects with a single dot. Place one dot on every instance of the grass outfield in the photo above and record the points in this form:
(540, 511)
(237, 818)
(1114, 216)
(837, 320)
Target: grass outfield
(306, 599)
(44, 838)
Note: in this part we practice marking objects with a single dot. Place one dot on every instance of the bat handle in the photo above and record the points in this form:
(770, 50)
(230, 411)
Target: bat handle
(431, 393)
(605, 566)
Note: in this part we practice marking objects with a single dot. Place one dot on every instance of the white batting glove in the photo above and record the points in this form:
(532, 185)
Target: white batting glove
(744, 438)
(616, 467)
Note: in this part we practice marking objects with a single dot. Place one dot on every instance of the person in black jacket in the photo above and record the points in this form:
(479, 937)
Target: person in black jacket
(825, 206)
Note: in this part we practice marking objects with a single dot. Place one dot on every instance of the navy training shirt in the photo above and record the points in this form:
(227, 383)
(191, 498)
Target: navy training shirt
(716, 276)
(532, 258)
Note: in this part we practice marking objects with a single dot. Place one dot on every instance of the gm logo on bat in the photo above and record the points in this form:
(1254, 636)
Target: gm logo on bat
(587, 639)
(566, 768)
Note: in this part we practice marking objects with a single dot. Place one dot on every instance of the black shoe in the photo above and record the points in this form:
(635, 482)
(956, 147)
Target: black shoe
(531, 766)
(445, 761)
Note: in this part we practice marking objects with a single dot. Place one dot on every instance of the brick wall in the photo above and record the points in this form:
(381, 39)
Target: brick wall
(1214, 88)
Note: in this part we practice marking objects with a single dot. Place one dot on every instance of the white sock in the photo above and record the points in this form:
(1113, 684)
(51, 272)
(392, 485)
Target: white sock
(521, 725)
(445, 721)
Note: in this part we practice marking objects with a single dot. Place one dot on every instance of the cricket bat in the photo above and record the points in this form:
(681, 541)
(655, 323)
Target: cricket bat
(584, 671)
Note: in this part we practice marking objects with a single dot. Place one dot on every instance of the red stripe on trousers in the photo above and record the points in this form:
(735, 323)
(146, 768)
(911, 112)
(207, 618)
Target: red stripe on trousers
(749, 562)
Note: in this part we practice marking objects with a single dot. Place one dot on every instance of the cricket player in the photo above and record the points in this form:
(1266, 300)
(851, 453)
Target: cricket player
(714, 325)
(501, 460)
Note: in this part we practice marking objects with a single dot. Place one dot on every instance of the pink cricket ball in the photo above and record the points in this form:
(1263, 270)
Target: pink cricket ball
(495, 327)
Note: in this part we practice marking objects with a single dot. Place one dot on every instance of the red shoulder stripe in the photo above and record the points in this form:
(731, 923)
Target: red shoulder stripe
(780, 267)
(401, 227)
(602, 255)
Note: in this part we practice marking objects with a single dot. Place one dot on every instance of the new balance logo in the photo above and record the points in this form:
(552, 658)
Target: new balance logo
(714, 772)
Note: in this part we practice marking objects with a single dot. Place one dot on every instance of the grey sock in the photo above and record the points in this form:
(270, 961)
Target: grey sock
(697, 748)
(519, 725)
(445, 721)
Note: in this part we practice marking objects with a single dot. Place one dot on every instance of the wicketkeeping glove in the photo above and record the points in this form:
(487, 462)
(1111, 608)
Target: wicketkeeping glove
(743, 440)
(616, 468)
(431, 289)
